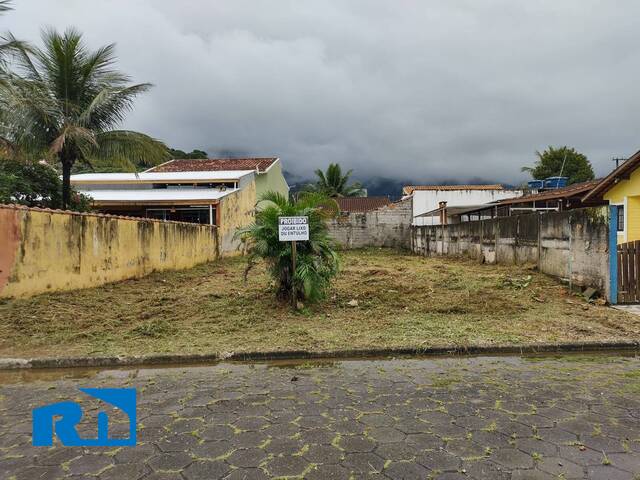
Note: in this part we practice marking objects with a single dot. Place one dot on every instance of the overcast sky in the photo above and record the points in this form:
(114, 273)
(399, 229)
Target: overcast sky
(405, 89)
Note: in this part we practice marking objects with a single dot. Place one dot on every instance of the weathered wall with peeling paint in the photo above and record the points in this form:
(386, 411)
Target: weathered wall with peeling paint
(571, 245)
(236, 211)
(45, 250)
(388, 226)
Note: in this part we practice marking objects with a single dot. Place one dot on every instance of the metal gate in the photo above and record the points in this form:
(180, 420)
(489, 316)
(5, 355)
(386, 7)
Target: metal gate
(629, 272)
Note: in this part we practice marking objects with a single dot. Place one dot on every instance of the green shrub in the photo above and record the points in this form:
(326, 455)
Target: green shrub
(316, 261)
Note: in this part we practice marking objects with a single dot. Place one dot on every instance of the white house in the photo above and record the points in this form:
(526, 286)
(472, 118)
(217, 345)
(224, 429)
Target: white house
(428, 198)
(220, 192)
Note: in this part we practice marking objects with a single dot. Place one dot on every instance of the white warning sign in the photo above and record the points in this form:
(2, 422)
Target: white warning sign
(293, 229)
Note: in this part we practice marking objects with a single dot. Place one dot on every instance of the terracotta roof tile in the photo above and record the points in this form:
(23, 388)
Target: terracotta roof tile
(361, 204)
(215, 164)
(409, 189)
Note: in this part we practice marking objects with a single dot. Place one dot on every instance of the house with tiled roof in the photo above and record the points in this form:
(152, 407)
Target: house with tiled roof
(427, 198)
(268, 170)
(220, 192)
(348, 205)
(545, 200)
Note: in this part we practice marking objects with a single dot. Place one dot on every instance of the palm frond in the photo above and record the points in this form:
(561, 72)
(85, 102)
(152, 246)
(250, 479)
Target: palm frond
(137, 147)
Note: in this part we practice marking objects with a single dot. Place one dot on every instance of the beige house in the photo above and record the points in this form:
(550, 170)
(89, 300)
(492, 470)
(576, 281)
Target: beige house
(220, 192)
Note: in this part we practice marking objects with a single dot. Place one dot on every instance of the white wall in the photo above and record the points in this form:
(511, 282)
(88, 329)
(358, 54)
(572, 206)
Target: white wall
(428, 200)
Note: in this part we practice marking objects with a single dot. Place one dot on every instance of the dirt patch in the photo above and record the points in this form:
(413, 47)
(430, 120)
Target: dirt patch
(401, 301)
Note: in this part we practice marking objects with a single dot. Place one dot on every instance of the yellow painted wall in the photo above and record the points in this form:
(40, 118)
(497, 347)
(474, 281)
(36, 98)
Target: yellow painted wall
(272, 181)
(628, 190)
(45, 251)
(236, 210)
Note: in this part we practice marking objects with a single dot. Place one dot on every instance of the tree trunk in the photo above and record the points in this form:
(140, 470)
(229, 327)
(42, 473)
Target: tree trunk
(66, 183)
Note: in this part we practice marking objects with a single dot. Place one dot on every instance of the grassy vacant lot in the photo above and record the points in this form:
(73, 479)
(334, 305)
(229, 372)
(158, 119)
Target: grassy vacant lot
(402, 301)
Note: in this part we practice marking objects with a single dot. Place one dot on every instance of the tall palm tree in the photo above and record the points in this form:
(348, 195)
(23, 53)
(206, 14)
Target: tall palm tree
(65, 102)
(334, 184)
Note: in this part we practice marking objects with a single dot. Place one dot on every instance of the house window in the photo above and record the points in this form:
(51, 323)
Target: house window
(621, 218)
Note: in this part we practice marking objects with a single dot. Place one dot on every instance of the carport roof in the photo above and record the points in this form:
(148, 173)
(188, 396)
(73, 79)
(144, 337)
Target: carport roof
(455, 210)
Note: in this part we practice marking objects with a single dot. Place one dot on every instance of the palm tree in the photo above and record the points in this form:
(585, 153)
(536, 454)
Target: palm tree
(65, 102)
(334, 184)
(316, 260)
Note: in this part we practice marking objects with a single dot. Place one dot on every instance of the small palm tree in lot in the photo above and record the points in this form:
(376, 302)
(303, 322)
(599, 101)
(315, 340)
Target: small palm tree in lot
(317, 261)
(66, 102)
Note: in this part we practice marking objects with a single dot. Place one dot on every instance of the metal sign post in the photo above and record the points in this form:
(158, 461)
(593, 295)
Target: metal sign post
(293, 229)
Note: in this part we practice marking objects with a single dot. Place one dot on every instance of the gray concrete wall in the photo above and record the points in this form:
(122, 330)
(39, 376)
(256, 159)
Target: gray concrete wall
(389, 226)
(570, 245)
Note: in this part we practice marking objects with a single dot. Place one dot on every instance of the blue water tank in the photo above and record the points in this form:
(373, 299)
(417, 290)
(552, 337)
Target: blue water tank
(555, 182)
(536, 184)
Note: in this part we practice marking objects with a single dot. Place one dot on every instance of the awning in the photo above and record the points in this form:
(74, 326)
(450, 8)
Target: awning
(455, 210)
(160, 196)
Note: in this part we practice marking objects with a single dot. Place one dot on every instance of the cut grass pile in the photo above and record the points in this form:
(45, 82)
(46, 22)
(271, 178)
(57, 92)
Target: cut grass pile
(401, 300)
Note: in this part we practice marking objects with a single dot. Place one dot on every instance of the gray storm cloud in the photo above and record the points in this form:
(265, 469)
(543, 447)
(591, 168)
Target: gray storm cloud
(403, 89)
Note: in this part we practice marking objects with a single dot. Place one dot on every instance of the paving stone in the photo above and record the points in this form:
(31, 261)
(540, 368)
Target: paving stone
(450, 476)
(352, 443)
(283, 446)
(485, 469)
(164, 476)
(531, 474)
(124, 470)
(396, 451)
(248, 439)
(581, 456)
(363, 462)
(380, 413)
(177, 443)
(58, 456)
(89, 464)
(439, 460)
(626, 461)
(328, 472)
(609, 473)
(247, 458)
(247, 474)
(286, 466)
(210, 450)
(512, 459)
(323, 454)
(170, 461)
(405, 470)
(202, 469)
(39, 473)
(216, 433)
(532, 445)
(318, 436)
(377, 420)
(386, 435)
(424, 441)
(559, 466)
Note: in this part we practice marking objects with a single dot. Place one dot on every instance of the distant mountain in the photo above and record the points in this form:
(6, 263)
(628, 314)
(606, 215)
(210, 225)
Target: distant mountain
(389, 187)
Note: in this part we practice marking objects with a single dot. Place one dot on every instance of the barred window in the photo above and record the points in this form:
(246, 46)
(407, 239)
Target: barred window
(621, 218)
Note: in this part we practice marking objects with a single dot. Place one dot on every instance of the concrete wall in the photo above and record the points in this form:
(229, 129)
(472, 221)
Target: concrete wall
(388, 226)
(272, 181)
(236, 210)
(46, 250)
(428, 200)
(570, 245)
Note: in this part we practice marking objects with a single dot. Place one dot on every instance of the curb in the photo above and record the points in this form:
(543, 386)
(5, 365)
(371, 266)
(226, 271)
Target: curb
(376, 353)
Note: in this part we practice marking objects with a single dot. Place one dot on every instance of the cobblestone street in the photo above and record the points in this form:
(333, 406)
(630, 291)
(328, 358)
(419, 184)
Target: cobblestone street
(570, 417)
